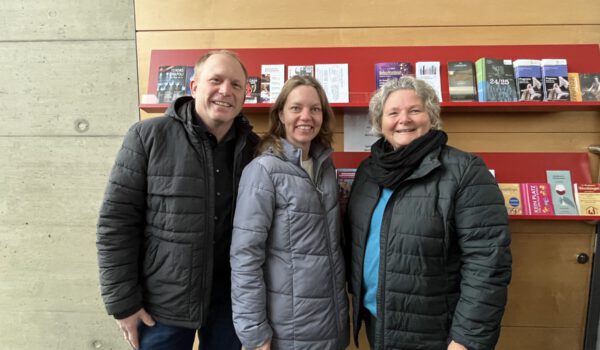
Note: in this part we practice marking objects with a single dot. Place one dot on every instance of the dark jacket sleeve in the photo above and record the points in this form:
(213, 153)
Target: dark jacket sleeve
(120, 227)
(484, 241)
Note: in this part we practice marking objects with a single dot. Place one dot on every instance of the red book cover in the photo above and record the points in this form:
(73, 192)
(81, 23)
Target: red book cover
(537, 199)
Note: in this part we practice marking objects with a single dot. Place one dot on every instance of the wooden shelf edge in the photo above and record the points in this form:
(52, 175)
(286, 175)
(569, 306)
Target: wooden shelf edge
(508, 107)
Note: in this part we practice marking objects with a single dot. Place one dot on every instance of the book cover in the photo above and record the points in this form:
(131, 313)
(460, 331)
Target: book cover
(308, 71)
(189, 75)
(429, 72)
(512, 198)
(588, 199)
(590, 86)
(528, 77)
(480, 78)
(555, 76)
(345, 177)
(536, 199)
(561, 188)
(252, 90)
(171, 83)
(497, 80)
(385, 71)
(462, 84)
(574, 87)
(271, 81)
(334, 79)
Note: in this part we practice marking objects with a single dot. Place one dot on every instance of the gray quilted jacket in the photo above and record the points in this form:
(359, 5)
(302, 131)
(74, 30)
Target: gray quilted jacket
(288, 282)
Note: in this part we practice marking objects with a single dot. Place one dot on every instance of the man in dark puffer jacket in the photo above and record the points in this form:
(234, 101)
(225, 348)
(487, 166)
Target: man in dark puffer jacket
(164, 229)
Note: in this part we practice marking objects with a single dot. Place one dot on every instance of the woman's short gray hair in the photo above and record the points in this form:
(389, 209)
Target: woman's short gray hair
(427, 94)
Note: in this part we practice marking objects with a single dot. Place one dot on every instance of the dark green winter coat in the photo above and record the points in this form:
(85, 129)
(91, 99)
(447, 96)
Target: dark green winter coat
(445, 259)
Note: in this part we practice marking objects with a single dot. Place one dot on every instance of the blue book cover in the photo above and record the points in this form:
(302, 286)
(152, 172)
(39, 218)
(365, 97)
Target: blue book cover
(528, 76)
(561, 188)
(555, 77)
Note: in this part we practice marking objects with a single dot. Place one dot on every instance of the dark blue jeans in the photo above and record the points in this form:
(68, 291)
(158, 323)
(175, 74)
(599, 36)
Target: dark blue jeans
(217, 334)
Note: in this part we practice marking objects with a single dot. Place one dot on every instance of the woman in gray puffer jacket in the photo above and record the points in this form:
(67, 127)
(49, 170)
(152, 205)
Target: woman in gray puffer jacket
(288, 281)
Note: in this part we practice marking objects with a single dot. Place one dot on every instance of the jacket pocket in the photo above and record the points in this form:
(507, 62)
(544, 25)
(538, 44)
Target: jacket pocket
(166, 277)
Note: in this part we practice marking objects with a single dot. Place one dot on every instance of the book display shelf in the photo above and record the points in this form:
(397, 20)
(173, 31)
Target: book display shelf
(361, 69)
(513, 167)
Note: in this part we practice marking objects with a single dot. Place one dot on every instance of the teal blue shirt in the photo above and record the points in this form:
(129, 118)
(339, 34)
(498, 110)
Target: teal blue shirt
(371, 262)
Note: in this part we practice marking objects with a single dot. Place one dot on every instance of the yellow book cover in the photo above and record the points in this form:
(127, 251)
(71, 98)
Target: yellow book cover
(512, 198)
(587, 197)
(574, 87)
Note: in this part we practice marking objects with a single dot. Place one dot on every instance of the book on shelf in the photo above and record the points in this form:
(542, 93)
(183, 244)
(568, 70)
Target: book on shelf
(574, 87)
(462, 84)
(271, 81)
(173, 82)
(308, 71)
(528, 76)
(385, 71)
(252, 90)
(512, 198)
(429, 72)
(555, 75)
(334, 79)
(590, 86)
(536, 198)
(345, 177)
(561, 188)
(495, 80)
(587, 197)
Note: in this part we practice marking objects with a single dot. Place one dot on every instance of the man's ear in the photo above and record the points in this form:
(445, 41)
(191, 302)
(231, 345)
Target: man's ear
(193, 86)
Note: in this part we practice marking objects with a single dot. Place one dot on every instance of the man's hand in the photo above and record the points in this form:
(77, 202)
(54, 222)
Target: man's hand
(129, 326)
(265, 346)
(456, 346)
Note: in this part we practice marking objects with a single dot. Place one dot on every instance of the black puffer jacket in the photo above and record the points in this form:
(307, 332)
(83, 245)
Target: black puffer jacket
(445, 258)
(155, 231)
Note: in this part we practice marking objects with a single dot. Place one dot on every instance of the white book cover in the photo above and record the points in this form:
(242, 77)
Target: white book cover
(272, 79)
(430, 73)
(301, 70)
(334, 79)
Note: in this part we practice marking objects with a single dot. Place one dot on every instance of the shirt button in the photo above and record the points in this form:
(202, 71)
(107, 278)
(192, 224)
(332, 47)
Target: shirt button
(218, 171)
(218, 193)
(216, 218)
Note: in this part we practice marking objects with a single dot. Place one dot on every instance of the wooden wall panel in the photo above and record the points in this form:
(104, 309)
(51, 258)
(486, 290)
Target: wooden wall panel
(538, 338)
(206, 14)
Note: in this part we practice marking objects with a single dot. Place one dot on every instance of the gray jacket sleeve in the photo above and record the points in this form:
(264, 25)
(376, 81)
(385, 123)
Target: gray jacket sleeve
(484, 240)
(253, 216)
(120, 226)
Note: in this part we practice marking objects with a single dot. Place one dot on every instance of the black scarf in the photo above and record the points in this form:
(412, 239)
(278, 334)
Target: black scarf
(389, 167)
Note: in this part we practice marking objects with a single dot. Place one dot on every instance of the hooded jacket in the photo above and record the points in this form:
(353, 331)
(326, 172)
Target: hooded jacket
(287, 268)
(155, 229)
(445, 259)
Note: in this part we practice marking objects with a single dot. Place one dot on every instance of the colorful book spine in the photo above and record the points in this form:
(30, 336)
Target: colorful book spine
(512, 198)
(537, 199)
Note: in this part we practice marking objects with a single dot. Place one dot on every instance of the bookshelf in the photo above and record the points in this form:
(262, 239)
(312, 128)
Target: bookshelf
(361, 69)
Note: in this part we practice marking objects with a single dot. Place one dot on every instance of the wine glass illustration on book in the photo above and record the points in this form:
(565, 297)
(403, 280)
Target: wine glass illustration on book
(561, 191)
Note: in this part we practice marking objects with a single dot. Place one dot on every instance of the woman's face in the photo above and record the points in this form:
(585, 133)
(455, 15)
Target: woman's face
(404, 118)
(302, 116)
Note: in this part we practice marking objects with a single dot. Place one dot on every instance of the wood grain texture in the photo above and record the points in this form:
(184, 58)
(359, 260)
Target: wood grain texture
(205, 14)
(540, 338)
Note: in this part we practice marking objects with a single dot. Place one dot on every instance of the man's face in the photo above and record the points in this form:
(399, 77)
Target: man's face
(219, 90)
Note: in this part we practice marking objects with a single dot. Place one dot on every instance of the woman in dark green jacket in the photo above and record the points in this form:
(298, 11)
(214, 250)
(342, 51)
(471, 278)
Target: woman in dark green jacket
(428, 241)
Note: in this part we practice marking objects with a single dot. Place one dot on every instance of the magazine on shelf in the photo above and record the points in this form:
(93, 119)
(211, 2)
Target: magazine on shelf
(556, 79)
(590, 86)
(430, 73)
(271, 81)
(462, 84)
(512, 198)
(561, 188)
(252, 90)
(587, 197)
(358, 136)
(496, 80)
(536, 198)
(308, 71)
(334, 79)
(574, 87)
(173, 82)
(528, 76)
(345, 177)
(385, 71)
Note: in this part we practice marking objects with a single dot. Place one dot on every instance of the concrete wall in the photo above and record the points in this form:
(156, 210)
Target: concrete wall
(68, 93)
